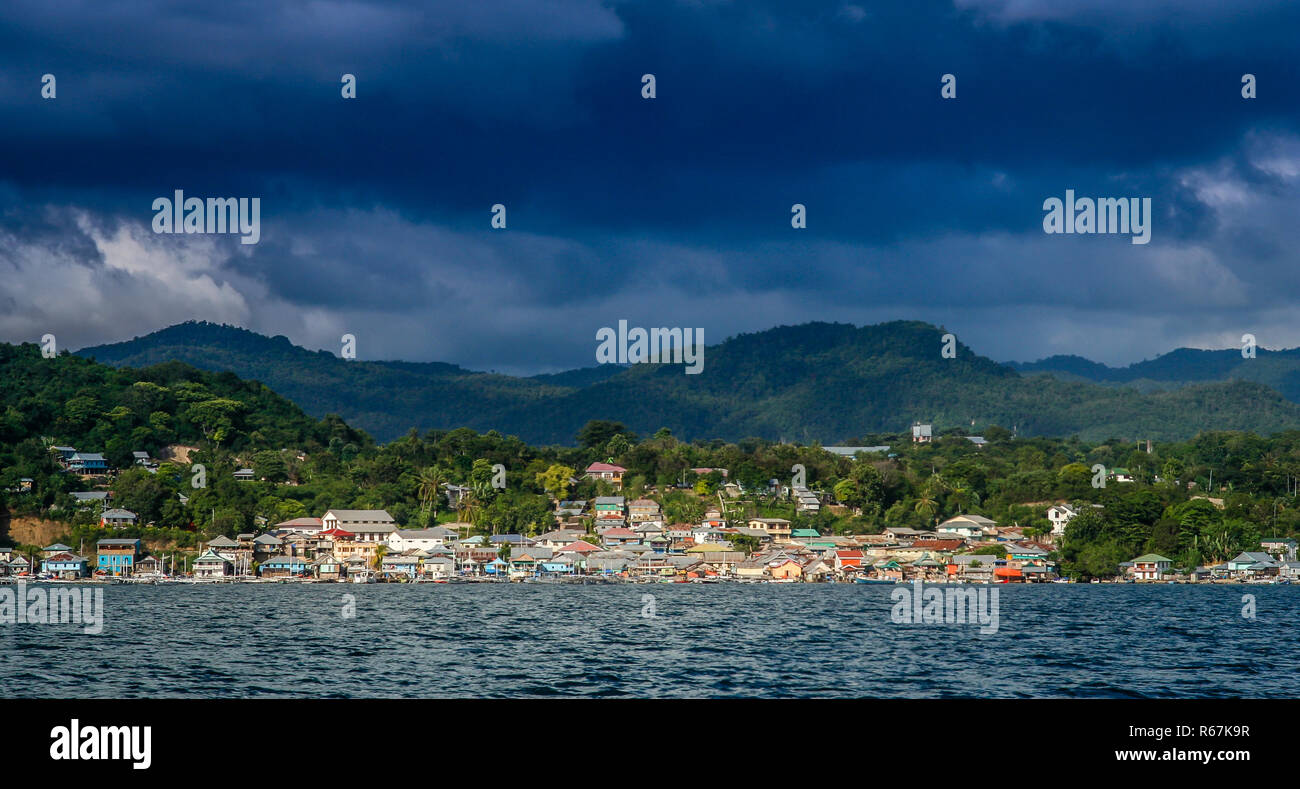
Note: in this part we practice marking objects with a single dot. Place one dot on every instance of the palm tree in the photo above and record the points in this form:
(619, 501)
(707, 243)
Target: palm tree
(431, 482)
(469, 508)
(926, 505)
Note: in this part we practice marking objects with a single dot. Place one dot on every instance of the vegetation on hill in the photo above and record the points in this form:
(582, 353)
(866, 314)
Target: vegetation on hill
(303, 467)
(814, 382)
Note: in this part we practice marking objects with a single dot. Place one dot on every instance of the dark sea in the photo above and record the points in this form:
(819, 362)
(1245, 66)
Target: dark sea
(726, 640)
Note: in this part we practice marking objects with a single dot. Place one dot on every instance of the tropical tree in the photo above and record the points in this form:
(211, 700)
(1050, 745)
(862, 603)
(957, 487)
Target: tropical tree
(431, 480)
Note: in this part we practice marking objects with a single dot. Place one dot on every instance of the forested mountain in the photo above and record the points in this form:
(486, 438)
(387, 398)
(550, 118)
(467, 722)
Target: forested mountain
(92, 406)
(814, 382)
(1278, 370)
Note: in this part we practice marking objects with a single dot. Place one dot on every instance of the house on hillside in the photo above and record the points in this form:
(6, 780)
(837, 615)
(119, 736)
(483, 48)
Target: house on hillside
(922, 434)
(1060, 515)
(117, 519)
(607, 471)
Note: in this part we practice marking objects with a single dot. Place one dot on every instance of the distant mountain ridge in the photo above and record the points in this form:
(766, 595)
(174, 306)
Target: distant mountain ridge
(1278, 370)
(823, 382)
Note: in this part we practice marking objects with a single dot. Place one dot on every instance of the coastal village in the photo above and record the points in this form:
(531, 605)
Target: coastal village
(607, 539)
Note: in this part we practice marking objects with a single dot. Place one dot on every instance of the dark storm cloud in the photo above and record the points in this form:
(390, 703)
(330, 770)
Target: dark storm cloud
(375, 211)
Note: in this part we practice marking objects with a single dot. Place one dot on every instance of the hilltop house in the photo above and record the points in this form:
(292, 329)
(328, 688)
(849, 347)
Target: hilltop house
(117, 519)
(1060, 515)
(606, 471)
(922, 434)
(88, 463)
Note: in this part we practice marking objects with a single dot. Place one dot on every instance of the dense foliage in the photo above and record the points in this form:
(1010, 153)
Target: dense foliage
(304, 467)
(814, 382)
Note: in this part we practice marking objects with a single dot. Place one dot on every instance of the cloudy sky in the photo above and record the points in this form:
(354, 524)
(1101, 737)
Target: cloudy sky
(672, 211)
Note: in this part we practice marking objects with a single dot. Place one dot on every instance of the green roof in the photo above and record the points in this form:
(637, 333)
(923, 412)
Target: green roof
(1152, 557)
(805, 533)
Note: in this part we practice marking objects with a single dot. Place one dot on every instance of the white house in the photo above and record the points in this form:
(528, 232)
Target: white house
(1060, 515)
(402, 540)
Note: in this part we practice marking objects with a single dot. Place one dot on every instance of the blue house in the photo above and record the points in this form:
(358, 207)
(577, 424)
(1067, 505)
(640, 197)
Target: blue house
(88, 463)
(65, 565)
(117, 556)
(284, 565)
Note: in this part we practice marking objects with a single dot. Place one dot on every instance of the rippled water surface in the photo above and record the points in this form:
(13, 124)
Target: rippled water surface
(491, 640)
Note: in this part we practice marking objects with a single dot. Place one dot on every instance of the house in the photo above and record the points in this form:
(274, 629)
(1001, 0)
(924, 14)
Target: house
(438, 567)
(66, 565)
(399, 564)
(117, 519)
(558, 537)
(149, 565)
(978, 441)
(402, 540)
(244, 475)
(18, 566)
(84, 498)
(369, 526)
(301, 526)
(1151, 566)
(284, 566)
(266, 546)
(1251, 563)
(213, 565)
(1283, 548)
(1060, 515)
(1119, 475)
(88, 463)
(643, 510)
(612, 538)
(902, 533)
(328, 567)
(849, 559)
(774, 528)
(142, 458)
(785, 568)
(606, 471)
(581, 547)
(922, 434)
(117, 556)
(56, 548)
(609, 512)
(968, 526)
(805, 500)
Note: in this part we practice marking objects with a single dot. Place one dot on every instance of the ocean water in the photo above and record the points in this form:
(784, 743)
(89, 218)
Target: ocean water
(726, 640)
